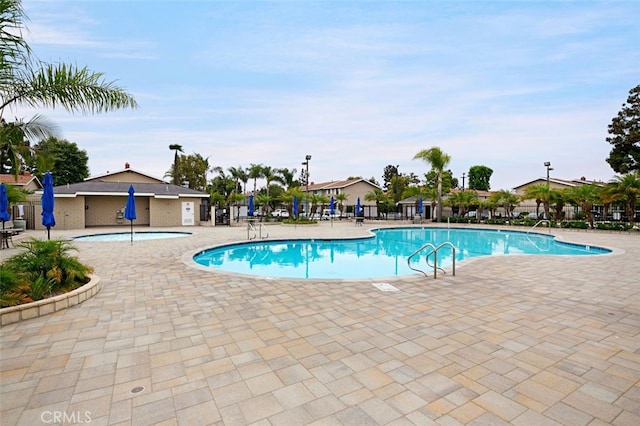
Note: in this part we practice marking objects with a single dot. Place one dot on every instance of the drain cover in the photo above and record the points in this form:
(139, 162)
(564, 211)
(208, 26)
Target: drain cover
(385, 287)
(137, 389)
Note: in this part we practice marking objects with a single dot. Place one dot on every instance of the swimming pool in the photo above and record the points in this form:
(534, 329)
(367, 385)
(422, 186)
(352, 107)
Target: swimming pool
(383, 255)
(126, 236)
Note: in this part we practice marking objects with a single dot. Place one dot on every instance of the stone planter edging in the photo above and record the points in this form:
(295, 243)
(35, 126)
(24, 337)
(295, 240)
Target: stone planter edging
(57, 303)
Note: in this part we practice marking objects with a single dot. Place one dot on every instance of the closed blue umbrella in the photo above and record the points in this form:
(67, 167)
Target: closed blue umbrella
(332, 206)
(130, 209)
(358, 208)
(251, 206)
(295, 206)
(48, 219)
(4, 205)
(420, 207)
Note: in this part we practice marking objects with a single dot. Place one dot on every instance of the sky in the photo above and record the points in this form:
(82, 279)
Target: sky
(358, 85)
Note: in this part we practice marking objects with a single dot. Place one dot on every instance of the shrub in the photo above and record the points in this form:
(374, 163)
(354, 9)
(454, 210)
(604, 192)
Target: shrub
(574, 224)
(613, 226)
(42, 269)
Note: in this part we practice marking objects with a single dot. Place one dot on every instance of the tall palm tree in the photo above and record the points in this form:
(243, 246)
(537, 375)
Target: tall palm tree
(341, 198)
(28, 82)
(438, 161)
(254, 171)
(288, 177)
(177, 148)
(627, 188)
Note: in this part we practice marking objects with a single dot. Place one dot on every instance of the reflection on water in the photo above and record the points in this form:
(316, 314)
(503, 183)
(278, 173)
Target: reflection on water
(381, 256)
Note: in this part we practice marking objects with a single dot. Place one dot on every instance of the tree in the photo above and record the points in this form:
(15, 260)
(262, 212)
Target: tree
(397, 186)
(193, 169)
(378, 196)
(584, 196)
(28, 82)
(625, 135)
(438, 160)
(506, 199)
(389, 172)
(341, 198)
(288, 177)
(174, 172)
(67, 162)
(627, 189)
(479, 177)
(463, 200)
(540, 193)
(254, 171)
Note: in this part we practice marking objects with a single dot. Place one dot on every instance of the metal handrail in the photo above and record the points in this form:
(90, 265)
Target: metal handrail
(434, 251)
(261, 227)
(538, 223)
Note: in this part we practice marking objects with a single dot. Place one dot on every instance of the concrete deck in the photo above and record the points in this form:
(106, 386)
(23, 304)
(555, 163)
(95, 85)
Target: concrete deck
(524, 340)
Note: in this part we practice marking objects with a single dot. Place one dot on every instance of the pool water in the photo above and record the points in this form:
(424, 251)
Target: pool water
(126, 236)
(383, 255)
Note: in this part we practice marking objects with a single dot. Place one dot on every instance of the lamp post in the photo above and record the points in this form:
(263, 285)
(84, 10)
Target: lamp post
(306, 163)
(463, 176)
(547, 164)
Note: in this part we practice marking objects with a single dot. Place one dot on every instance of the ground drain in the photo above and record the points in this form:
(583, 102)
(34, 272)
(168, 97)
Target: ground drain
(137, 389)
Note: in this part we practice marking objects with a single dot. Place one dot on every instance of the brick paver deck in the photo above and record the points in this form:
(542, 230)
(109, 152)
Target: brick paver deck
(524, 340)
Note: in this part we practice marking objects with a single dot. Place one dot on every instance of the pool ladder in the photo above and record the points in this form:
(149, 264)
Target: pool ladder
(252, 228)
(434, 252)
(548, 222)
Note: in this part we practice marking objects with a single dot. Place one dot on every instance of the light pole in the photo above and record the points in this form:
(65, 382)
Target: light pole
(463, 175)
(547, 164)
(306, 163)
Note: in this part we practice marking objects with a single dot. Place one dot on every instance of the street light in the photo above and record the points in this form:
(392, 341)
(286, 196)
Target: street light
(547, 164)
(463, 176)
(306, 163)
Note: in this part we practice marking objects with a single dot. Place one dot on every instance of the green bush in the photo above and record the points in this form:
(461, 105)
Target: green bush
(574, 224)
(41, 269)
(299, 221)
(613, 226)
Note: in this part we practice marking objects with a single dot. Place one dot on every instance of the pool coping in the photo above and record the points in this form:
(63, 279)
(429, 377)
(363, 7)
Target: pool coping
(25, 311)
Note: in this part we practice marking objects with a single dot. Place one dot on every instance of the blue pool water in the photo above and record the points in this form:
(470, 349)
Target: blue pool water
(126, 236)
(383, 255)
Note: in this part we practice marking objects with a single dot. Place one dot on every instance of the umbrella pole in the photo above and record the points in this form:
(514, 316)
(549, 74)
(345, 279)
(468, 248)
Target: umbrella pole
(131, 221)
(48, 232)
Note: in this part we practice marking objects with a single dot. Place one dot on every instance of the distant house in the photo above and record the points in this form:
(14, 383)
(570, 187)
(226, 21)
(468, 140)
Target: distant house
(353, 189)
(25, 181)
(100, 201)
(555, 184)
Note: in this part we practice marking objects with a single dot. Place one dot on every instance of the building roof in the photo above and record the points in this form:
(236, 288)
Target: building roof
(339, 184)
(563, 182)
(155, 190)
(23, 179)
(126, 169)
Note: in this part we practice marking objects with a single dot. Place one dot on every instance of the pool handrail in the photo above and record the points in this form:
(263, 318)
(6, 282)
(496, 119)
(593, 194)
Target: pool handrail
(538, 223)
(434, 251)
(251, 227)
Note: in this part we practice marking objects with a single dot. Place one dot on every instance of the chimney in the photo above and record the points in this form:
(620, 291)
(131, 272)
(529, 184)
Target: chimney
(127, 165)
(583, 178)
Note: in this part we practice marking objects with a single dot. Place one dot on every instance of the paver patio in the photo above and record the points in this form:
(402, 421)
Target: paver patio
(524, 340)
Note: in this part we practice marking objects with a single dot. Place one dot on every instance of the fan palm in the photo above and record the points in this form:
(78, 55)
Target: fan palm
(627, 189)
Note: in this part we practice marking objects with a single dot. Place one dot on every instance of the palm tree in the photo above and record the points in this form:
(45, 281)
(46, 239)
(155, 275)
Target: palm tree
(584, 196)
(438, 161)
(288, 177)
(27, 82)
(558, 198)
(239, 175)
(376, 195)
(627, 188)
(254, 171)
(540, 193)
(463, 200)
(506, 199)
(177, 148)
(341, 198)
(271, 175)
